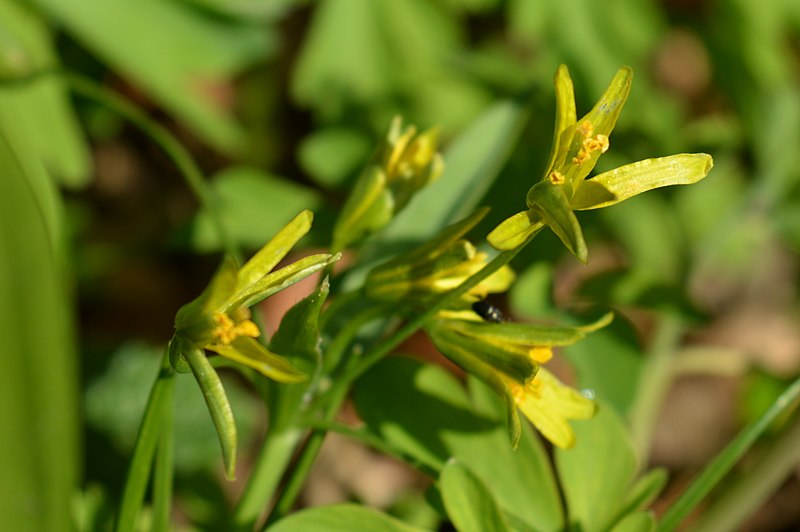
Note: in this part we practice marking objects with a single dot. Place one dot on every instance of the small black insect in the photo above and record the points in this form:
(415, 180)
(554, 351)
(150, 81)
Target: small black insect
(487, 311)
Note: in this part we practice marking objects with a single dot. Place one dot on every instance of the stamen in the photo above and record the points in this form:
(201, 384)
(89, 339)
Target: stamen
(556, 177)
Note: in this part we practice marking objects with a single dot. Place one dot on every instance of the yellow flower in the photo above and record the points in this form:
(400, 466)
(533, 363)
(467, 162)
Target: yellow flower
(577, 145)
(219, 319)
(508, 357)
(549, 404)
(442, 264)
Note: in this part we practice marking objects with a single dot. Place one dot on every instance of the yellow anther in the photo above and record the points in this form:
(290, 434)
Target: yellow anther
(540, 354)
(556, 177)
(227, 330)
(589, 146)
(586, 129)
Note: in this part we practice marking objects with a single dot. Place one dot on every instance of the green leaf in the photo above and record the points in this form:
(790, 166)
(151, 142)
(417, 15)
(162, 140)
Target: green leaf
(298, 333)
(39, 449)
(341, 518)
(424, 412)
(609, 362)
(646, 490)
(468, 501)
(186, 57)
(254, 206)
(343, 56)
(331, 155)
(636, 522)
(595, 489)
(39, 111)
(621, 183)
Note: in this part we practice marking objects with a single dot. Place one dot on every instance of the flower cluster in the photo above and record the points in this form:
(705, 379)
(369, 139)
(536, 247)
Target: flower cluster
(506, 356)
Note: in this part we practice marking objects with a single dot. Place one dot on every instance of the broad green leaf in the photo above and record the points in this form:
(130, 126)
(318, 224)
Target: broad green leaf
(341, 518)
(344, 56)
(620, 184)
(424, 412)
(636, 522)
(331, 155)
(254, 206)
(608, 362)
(39, 111)
(595, 488)
(469, 502)
(39, 449)
(646, 490)
(530, 296)
(185, 60)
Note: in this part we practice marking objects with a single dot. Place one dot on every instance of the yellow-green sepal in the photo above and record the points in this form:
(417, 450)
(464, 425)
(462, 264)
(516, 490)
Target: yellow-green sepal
(552, 205)
(620, 184)
(193, 319)
(512, 362)
(602, 118)
(274, 251)
(528, 334)
(280, 279)
(565, 118)
(515, 230)
(249, 352)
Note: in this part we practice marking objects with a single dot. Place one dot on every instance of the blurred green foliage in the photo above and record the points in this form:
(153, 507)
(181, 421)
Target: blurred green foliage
(281, 102)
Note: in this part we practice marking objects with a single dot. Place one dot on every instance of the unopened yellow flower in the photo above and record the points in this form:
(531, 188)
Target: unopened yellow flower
(405, 162)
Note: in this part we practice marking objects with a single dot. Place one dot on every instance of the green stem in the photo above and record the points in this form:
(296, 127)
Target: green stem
(166, 141)
(725, 460)
(338, 391)
(276, 452)
(165, 462)
(656, 377)
(763, 478)
(146, 442)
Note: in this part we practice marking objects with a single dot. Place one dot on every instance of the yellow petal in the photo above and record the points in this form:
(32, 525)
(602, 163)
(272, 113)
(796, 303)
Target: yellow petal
(549, 404)
(250, 353)
(620, 184)
(565, 117)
